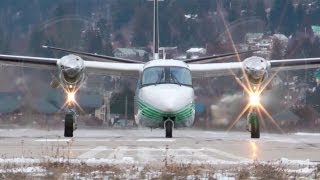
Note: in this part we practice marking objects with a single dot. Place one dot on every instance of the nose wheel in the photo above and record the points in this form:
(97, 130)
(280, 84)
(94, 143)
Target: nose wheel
(70, 124)
(168, 126)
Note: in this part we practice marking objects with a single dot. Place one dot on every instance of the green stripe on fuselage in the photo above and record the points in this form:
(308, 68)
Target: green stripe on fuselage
(155, 114)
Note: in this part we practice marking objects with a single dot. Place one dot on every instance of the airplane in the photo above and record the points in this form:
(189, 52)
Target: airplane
(165, 95)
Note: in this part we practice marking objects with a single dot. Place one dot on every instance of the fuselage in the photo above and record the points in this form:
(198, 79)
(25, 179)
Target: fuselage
(165, 92)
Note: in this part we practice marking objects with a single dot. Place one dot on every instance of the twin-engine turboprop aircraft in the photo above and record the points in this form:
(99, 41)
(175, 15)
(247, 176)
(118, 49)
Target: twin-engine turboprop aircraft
(165, 96)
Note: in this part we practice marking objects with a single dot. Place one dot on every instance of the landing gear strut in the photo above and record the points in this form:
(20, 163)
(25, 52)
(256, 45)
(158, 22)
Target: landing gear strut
(70, 123)
(168, 126)
(253, 125)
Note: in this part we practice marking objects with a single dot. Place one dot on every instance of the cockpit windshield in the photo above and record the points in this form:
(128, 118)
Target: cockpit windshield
(166, 75)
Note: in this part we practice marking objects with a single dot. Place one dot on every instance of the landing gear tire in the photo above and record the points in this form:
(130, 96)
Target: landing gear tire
(168, 125)
(69, 124)
(255, 129)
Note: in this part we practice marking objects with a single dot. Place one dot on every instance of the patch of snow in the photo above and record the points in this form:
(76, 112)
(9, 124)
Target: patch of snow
(306, 170)
(306, 162)
(307, 134)
(52, 140)
(220, 176)
(36, 169)
(191, 16)
(197, 50)
(156, 140)
(124, 160)
(20, 160)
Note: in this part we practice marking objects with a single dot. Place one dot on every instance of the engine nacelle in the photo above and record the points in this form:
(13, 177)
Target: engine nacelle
(71, 72)
(256, 69)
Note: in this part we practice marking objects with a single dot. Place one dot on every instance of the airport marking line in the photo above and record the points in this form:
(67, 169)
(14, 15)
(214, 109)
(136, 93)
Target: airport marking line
(156, 140)
(52, 140)
(225, 154)
(145, 155)
(92, 152)
(67, 140)
(119, 153)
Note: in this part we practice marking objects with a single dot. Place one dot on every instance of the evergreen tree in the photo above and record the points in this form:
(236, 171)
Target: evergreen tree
(282, 17)
(105, 35)
(142, 27)
(65, 8)
(177, 25)
(276, 14)
(289, 20)
(246, 8)
(233, 11)
(123, 11)
(37, 39)
(93, 41)
(277, 49)
(260, 11)
(300, 14)
(232, 14)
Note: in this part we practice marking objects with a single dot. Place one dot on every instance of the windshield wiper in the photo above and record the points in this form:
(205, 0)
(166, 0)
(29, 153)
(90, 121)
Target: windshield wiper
(159, 78)
(175, 79)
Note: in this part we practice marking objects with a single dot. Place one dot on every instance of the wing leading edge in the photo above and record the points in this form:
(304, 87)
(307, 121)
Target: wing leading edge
(28, 61)
(92, 67)
(222, 69)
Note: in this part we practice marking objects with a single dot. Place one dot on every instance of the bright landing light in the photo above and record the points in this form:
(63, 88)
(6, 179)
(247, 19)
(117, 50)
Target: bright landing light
(71, 97)
(254, 99)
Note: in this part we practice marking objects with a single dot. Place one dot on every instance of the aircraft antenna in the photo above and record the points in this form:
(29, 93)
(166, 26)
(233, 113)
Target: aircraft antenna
(156, 30)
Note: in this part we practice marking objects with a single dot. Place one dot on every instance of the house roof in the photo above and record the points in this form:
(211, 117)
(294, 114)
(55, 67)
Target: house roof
(130, 51)
(196, 50)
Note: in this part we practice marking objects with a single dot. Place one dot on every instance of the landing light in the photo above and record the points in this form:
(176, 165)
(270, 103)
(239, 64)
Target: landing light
(254, 99)
(71, 97)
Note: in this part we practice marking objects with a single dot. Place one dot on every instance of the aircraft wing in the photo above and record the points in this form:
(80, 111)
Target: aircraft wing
(28, 61)
(295, 64)
(215, 69)
(222, 69)
(114, 69)
(92, 67)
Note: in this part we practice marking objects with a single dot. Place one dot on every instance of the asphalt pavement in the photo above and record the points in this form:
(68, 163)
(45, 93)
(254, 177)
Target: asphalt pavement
(148, 147)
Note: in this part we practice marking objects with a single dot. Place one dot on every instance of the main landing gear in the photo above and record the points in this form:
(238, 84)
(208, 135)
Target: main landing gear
(168, 126)
(70, 123)
(253, 125)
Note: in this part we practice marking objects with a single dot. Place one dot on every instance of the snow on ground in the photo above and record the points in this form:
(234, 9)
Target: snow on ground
(36, 169)
(74, 169)
(287, 162)
(307, 134)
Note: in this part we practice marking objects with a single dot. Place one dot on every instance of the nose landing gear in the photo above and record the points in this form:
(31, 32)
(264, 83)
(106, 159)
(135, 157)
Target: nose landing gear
(168, 126)
(70, 123)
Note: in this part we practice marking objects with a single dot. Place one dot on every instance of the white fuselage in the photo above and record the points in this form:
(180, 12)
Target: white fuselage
(166, 100)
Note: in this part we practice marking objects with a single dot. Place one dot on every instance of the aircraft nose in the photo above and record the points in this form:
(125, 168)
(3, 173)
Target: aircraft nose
(172, 103)
(169, 105)
(167, 98)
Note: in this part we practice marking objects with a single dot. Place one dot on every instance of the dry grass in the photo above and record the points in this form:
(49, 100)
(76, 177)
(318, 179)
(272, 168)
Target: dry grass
(263, 172)
(13, 176)
(56, 170)
(317, 172)
(61, 166)
(66, 170)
